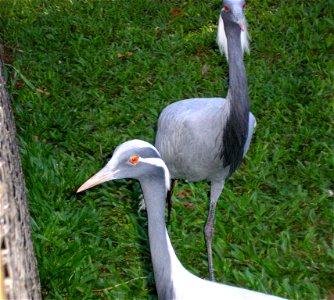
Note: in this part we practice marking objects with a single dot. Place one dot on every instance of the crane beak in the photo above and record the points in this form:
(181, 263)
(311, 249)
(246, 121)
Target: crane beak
(100, 177)
(241, 21)
(239, 17)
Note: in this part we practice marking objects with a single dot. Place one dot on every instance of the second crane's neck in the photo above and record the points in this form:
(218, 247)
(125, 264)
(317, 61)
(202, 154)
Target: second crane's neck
(238, 91)
(236, 127)
(164, 259)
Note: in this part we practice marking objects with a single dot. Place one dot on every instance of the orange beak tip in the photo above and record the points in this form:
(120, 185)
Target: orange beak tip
(79, 190)
(97, 179)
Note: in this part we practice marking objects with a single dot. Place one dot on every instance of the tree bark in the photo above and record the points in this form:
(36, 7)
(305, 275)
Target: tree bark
(19, 277)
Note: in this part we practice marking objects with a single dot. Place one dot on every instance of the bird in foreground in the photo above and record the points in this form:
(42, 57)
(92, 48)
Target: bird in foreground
(140, 160)
(207, 138)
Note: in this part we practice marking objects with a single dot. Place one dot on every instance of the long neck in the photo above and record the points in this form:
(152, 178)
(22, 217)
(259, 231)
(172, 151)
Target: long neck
(236, 127)
(162, 255)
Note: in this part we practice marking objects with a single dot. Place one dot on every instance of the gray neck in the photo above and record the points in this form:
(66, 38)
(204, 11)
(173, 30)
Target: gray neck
(155, 197)
(236, 128)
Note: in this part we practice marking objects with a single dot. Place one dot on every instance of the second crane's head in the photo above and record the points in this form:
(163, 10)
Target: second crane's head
(233, 11)
(133, 159)
(232, 14)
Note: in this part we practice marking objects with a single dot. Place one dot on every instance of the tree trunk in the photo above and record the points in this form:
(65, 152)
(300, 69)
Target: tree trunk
(18, 267)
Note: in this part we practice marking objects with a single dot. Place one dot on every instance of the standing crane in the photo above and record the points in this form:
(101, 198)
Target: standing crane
(140, 160)
(207, 138)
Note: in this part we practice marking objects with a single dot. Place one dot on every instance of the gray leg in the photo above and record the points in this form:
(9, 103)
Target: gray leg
(216, 189)
(169, 199)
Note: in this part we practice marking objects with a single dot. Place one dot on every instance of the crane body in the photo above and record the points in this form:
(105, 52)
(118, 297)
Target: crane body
(191, 147)
(207, 138)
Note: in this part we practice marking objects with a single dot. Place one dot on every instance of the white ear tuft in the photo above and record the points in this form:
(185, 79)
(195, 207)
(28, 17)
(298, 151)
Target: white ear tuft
(159, 163)
(244, 36)
(221, 38)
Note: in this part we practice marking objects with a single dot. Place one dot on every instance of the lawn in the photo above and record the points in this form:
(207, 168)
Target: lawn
(85, 76)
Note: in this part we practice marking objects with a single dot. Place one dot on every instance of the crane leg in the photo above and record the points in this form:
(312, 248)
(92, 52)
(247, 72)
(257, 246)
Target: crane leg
(216, 189)
(169, 199)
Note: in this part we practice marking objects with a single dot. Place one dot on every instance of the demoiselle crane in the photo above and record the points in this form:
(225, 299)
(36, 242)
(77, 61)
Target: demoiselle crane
(207, 138)
(140, 160)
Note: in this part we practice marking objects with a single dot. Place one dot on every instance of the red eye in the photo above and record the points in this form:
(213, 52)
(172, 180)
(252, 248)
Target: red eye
(134, 159)
(226, 8)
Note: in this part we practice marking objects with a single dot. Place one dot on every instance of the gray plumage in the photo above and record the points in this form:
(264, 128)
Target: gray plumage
(140, 160)
(207, 138)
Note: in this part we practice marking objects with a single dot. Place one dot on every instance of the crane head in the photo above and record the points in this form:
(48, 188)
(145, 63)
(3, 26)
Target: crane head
(133, 159)
(232, 11)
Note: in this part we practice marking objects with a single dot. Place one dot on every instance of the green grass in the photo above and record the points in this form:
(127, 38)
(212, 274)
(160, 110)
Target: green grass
(85, 76)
